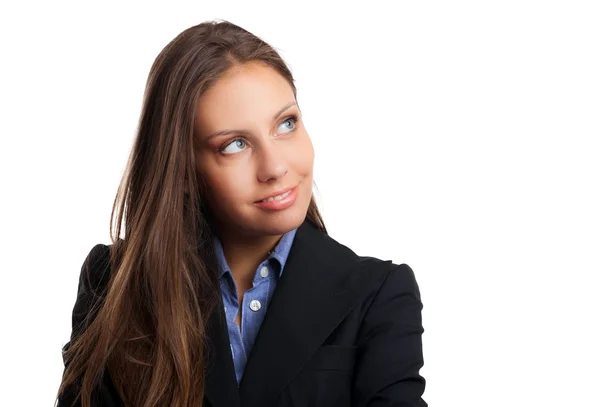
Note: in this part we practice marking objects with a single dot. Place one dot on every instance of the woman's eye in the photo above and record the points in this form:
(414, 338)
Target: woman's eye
(237, 143)
(290, 122)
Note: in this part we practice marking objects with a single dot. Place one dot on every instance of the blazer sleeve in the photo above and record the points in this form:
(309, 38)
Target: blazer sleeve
(93, 281)
(390, 354)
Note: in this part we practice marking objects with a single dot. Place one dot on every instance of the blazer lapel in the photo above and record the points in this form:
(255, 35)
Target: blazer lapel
(320, 284)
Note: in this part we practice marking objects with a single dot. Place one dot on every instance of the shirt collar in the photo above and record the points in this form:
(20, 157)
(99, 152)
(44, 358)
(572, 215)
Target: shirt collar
(278, 256)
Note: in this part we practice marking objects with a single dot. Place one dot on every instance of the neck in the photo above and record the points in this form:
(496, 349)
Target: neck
(244, 253)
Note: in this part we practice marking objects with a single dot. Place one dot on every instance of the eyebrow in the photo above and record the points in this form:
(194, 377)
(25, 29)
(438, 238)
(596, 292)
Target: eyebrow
(226, 132)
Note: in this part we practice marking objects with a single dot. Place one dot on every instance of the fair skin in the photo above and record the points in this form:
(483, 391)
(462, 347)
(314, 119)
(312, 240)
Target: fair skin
(270, 154)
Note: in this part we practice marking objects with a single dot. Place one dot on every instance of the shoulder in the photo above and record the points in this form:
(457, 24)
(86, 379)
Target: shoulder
(346, 254)
(394, 280)
(95, 270)
(391, 277)
(93, 282)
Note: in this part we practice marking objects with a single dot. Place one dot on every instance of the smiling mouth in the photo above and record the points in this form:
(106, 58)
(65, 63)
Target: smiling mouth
(277, 197)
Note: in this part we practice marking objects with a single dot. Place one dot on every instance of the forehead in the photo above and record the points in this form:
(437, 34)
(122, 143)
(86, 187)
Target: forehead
(245, 95)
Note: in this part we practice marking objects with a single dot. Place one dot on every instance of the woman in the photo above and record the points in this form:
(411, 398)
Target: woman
(226, 289)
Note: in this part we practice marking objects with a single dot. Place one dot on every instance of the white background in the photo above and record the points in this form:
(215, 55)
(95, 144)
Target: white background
(461, 138)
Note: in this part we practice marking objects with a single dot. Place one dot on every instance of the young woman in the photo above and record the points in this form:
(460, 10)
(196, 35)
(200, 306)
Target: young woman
(225, 289)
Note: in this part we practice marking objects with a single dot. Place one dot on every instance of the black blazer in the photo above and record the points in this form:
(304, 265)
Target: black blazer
(341, 330)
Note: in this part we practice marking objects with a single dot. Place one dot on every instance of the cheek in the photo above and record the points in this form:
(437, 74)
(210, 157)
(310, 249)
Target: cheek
(226, 187)
(303, 157)
(304, 167)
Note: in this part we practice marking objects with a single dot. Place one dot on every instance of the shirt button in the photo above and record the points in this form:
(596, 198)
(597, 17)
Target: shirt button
(255, 305)
(264, 271)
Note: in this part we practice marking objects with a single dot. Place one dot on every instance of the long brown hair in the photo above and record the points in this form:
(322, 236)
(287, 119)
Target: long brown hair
(150, 326)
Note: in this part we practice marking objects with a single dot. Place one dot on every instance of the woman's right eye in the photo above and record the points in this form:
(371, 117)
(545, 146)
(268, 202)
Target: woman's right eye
(238, 142)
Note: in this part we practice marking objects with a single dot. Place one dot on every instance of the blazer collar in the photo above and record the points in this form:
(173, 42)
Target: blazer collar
(313, 295)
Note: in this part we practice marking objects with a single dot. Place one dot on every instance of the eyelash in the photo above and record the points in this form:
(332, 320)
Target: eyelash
(294, 118)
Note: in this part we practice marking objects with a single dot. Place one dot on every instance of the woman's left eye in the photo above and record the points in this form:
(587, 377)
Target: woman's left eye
(292, 119)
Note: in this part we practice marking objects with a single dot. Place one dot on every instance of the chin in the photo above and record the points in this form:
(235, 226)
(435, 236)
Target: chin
(261, 223)
(280, 223)
(290, 223)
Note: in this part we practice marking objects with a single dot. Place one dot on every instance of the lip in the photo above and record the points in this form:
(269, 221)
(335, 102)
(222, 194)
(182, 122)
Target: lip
(274, 194)
(281, 204)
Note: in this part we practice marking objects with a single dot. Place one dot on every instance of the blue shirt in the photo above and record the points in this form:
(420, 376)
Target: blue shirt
(255, 301)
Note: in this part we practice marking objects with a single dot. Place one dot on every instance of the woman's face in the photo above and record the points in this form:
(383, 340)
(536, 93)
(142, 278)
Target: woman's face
(265, 152)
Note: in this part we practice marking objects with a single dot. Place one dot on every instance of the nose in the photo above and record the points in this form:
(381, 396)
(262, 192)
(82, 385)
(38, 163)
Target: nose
(271, 162)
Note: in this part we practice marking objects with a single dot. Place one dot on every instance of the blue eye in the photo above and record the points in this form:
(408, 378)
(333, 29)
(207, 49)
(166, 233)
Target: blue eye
(238, 142)
(292, 119)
